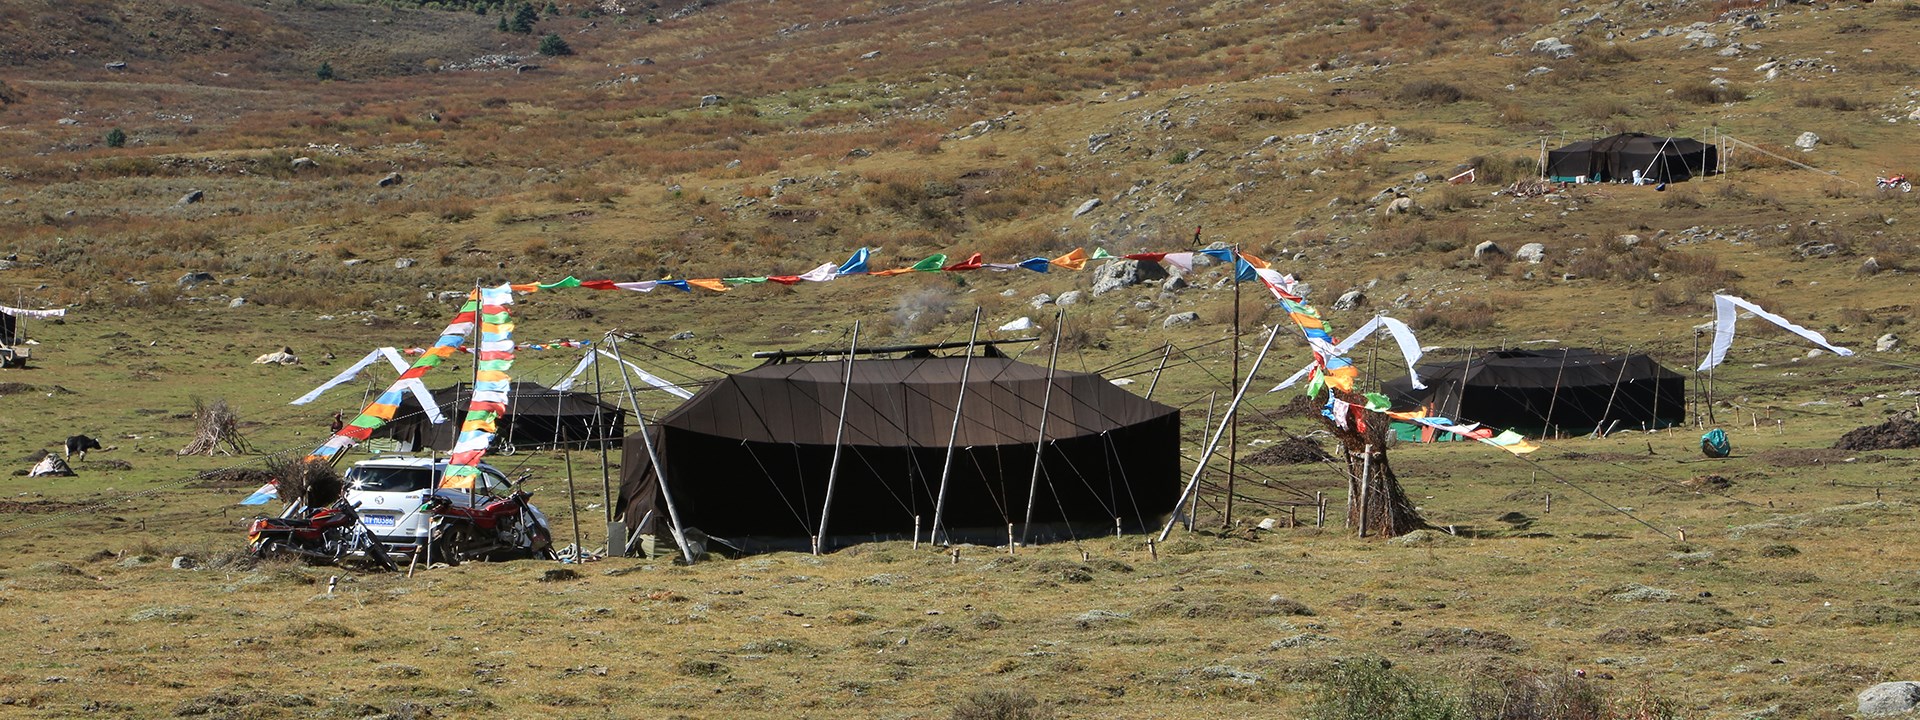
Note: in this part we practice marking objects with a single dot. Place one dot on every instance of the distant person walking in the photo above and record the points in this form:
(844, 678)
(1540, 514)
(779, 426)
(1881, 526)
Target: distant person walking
(338, 423)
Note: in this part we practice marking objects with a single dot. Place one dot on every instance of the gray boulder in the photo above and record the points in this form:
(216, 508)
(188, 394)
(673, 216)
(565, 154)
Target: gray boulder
(1178, 319)
(711, 100)
(1070, 297)
(1533, 253)
(1887, 343)
(301, 163)
(237, 302)
(403, 263)
(1040, 301)
(195, 278)
(391, 180)
(1086, 207)
(1890, 698)
(1628, 240)
(1806, 141)
(192, 196)
(1125, 273)
(1870, 267)
(682, 335)
(1350, 300)
(1175, 284)
(1553, 46)
(1487, 249)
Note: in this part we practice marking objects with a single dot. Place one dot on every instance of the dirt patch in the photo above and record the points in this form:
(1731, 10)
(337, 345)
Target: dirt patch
(1710, 482)
(1894, 434)
(37, 507)
(1801, 457)
(1291, 451)
(242, 478)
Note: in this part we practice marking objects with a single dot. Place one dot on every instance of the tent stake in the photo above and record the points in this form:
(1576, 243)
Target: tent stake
(1200, 467)
(1040, 442)
(839, 431)
(916, 532)
(659, 471)
(934, 534)
(1319, 509)
(1009, 538)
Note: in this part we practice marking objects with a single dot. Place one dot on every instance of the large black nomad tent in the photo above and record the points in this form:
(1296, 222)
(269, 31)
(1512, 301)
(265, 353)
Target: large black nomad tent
(749, 457)
(1622, 158)
(537, 416)
(1561, 390)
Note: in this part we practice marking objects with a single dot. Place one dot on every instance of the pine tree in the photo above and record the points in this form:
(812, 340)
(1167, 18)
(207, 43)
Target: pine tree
(116, 138)
(523, 19)
(325, 72)
(552, 45)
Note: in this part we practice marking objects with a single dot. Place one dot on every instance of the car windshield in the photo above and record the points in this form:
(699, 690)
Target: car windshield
(388, 479)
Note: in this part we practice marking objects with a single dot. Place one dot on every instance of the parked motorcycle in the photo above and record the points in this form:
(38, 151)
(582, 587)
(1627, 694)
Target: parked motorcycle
(1898, 182)
(332, 534)
(503, 528)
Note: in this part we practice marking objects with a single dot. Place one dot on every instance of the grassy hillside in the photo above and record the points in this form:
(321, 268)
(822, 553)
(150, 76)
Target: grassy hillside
(956, 127)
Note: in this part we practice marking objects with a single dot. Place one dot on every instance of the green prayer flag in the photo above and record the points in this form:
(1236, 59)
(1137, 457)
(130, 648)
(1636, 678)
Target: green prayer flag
(570, 282)
(933, 263)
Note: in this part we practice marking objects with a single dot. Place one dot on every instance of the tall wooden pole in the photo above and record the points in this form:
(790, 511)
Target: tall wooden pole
(1554, 399)
(839, 432)
(1694, 393)
(1040, 443)
(938, 533)
(1194, 482)
(606, 481)
(1233, 417)
(1193, 503)
(1601, 430)
(646, 439)
(1157, 370)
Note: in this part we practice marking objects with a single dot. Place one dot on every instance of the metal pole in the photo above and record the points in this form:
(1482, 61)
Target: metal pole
(1156, 371)
(839, 431)
(1040, 442)
(1194, 482)
(659, 471)
(937, 534)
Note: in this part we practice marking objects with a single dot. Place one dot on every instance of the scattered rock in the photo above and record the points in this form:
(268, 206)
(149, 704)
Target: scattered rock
(301, 163)
(1020, 325)
(1040, 301)
(1642, 593)
(403, 263)
(283, 356)
(682, 335)
(1887, 343)
(1814, 248)
(1628, 240)
(1178, 319)
(117, 65)
(1532, 253)
(237, 302)
(392, 179)
(1890, 698)
(1086, 207)
(195, 278)
(1125, 273)
(1487, 249)
(1070, 297)
(1400, 205)
(1806, 141)
(1175, 284)
(192, 196)
(1553, 46)
(1870, 267)
(1350, 300)
(870, 55)
(183, 563)
(711, 100)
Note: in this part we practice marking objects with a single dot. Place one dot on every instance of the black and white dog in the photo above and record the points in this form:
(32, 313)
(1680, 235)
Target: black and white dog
(80, 444)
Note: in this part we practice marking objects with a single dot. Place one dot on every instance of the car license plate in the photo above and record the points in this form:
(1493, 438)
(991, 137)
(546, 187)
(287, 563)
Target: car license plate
(380, 520)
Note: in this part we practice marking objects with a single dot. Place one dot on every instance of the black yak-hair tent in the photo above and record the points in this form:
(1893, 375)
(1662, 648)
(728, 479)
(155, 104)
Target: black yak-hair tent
(748, 458)
(537, 416)
(1616, 159)
(1560, 390)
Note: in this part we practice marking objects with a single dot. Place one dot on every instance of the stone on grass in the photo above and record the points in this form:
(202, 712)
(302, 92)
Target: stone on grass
(1124, 273)
(1070, 297)
(1806, 141)
(195, 278)
(1178, 319)
(1086, 207)
(192, 196)
(1349, 300)
(1533, 253)
(1039, 301)
(1022, 324)
(392, 179)
(1487, 249)
(1887, 343)
(1890, 698)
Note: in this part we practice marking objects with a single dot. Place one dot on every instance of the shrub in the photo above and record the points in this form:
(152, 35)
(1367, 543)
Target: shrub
(1001, 705)
(8, 95)
(1702, 93)
(1830, 102)
(523, 20)
(1370, 689)
(325, 72)
(116, 138)
(553, 46)
(1431, 91)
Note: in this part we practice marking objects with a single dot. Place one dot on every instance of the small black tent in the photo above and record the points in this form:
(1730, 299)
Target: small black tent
(1619, 157)
(748, 458)
(1548, 391)
(537, 416)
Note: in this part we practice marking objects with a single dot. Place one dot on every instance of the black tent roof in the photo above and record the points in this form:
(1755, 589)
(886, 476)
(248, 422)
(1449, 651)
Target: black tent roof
(1617, 157)
(1557, 389)
(536, 415)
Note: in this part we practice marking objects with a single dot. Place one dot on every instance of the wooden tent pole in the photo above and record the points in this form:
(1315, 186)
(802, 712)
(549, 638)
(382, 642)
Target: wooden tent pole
(1040, 442)
(1608, 411)
(937, 534)
(1193, 503)
(1194, 482)
(606, 482)
(839, 432)
(1554, 399)
(1694, 393)
(1233, 418)
(1156, 371)
(646, 439)
(1460, 398)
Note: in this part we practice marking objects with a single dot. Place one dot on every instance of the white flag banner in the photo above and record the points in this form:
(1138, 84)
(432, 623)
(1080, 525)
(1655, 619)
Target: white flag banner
(1402, 336)
(652, 379)
(1726, 311)
(399, 363)
(33, 314)
(566, 383)
(1295, 378)
(345, 375)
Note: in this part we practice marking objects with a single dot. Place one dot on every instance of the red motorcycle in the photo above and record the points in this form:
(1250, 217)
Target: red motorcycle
(1897, 182)
(331, 534)
(503, 528)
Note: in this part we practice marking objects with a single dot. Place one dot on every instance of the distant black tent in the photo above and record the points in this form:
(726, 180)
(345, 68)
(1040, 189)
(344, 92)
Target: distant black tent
(537, 416)
(749, 456)
(1617, 159)
(1571, 390)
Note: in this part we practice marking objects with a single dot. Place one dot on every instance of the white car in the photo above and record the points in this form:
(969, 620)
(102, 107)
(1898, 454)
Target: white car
(391, 494)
